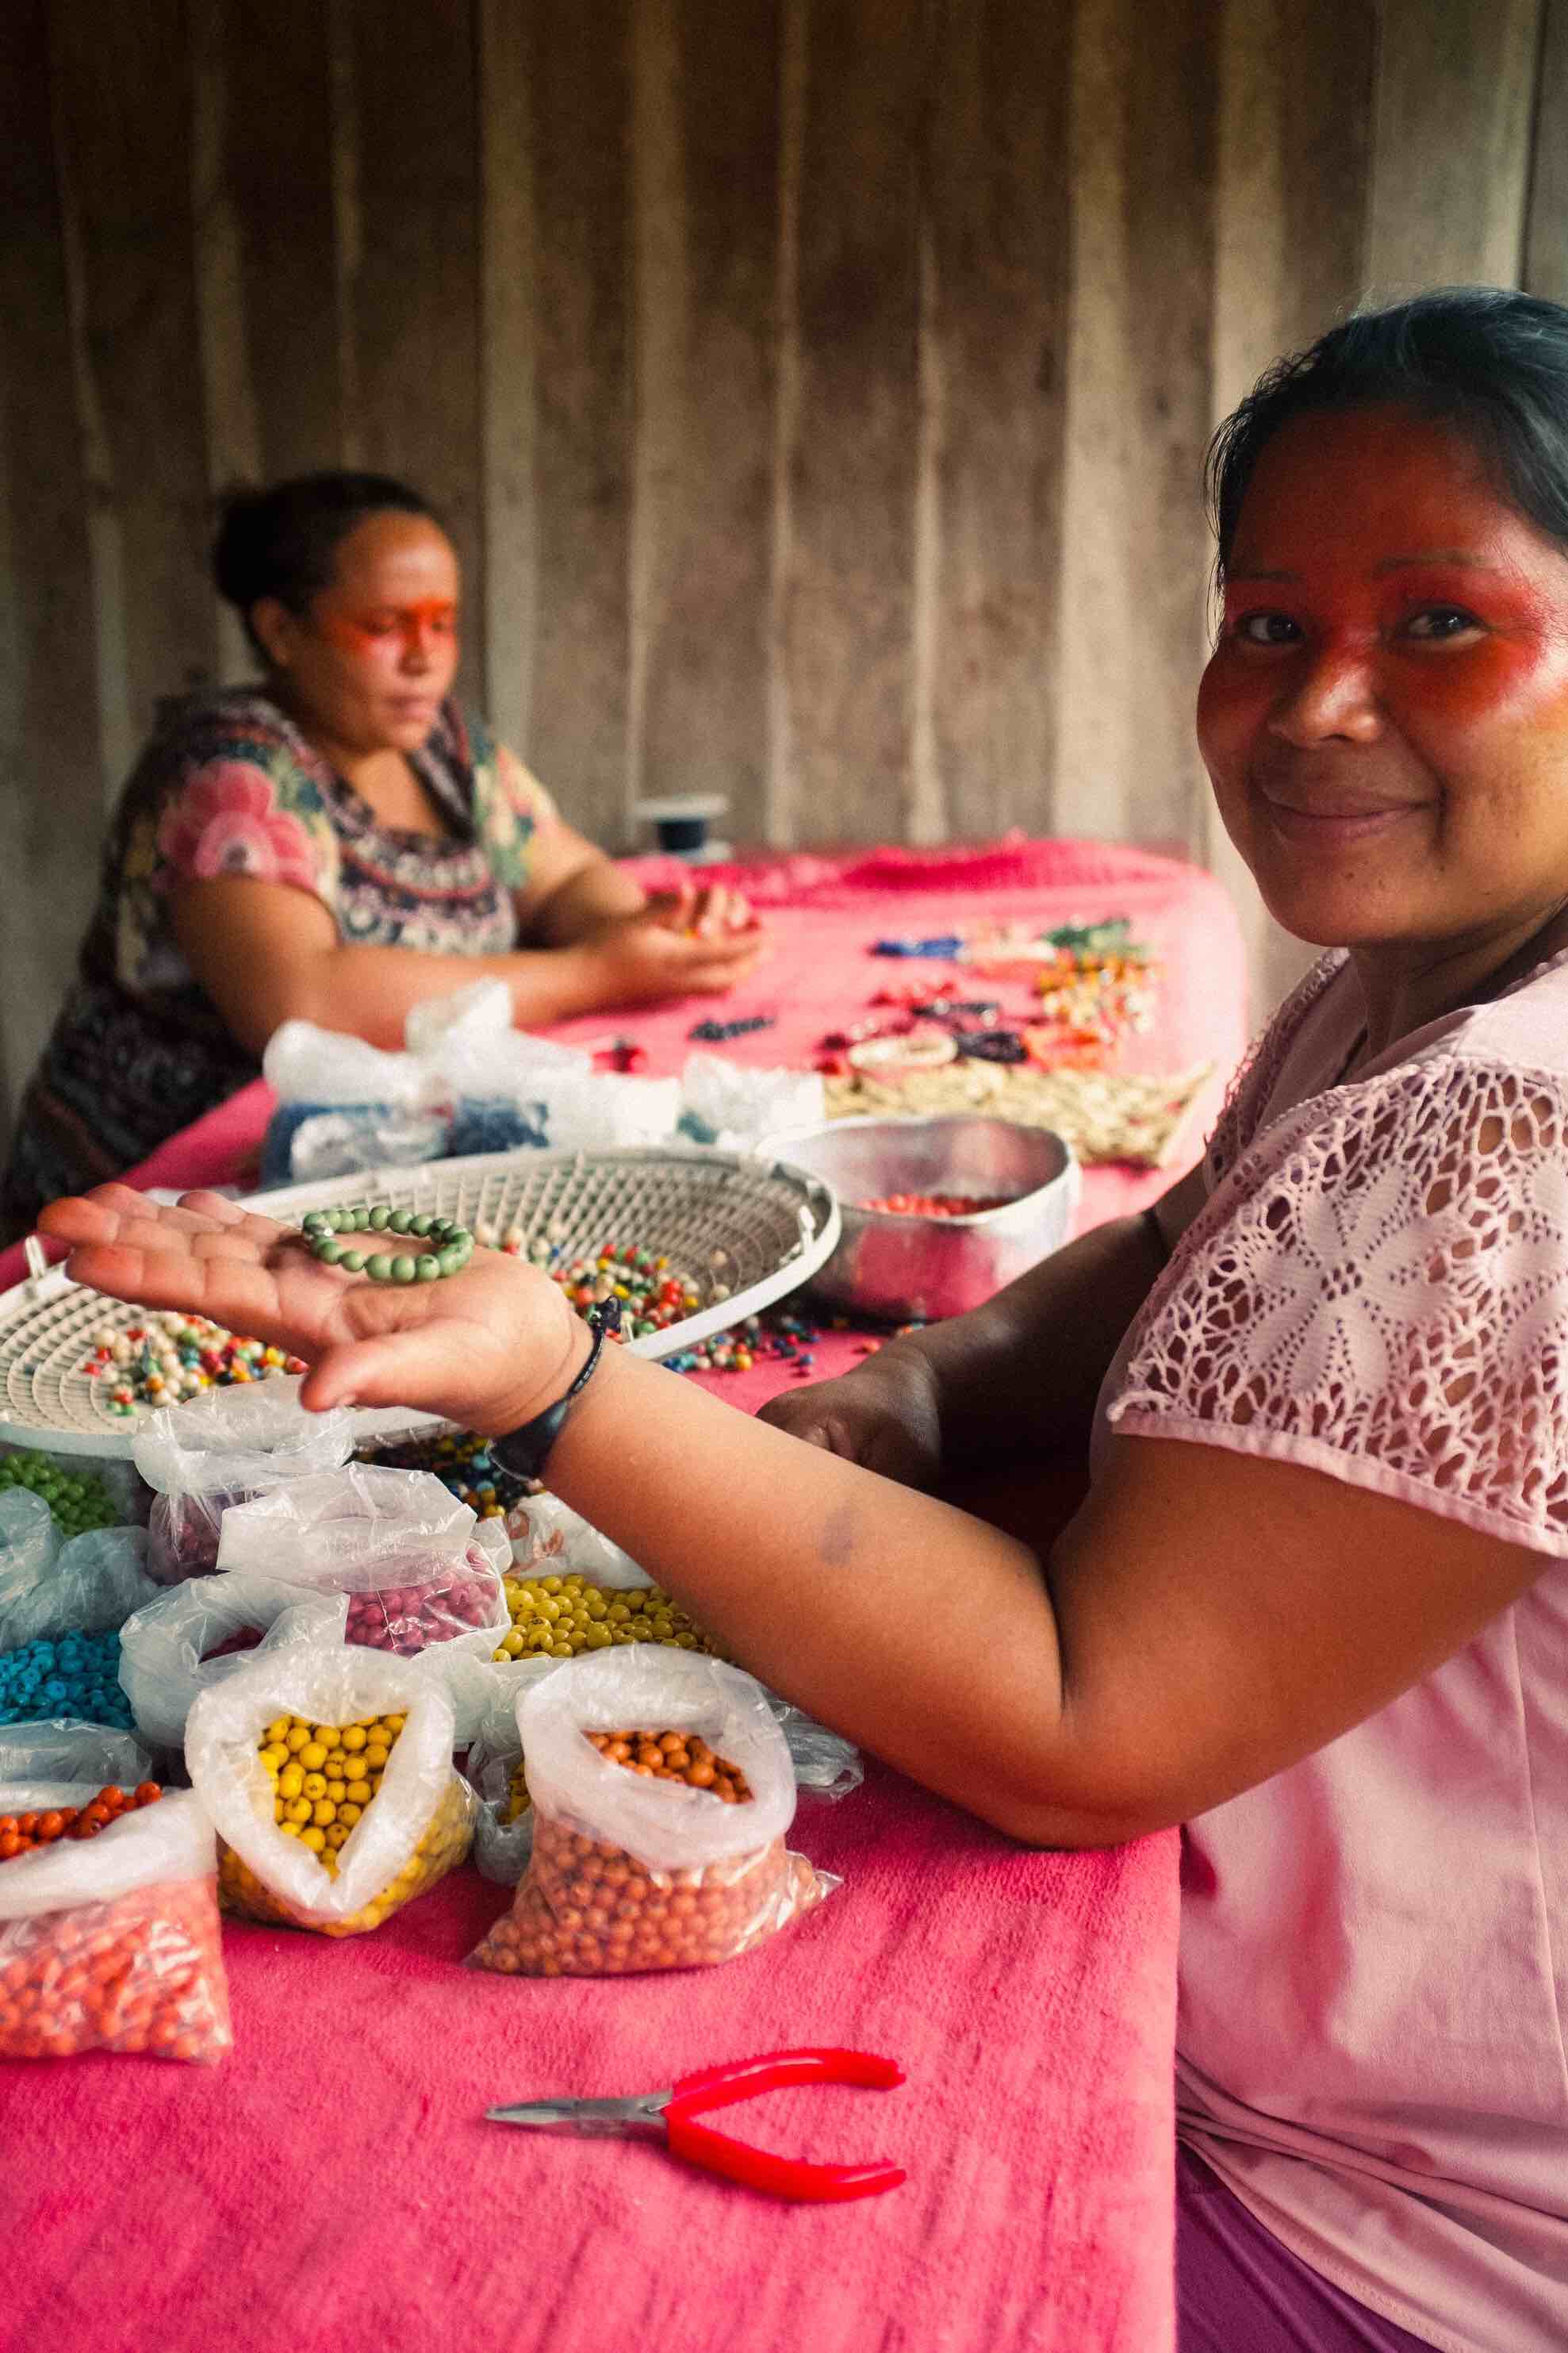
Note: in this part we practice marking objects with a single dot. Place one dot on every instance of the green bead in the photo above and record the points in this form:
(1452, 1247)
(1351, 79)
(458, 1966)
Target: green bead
(353, 1261)
(400, 1220)
(329, 1251)
(420, 1225)
(378, 1218)
(314, 1223)
(405, 1270)
(379, 1268)
(428, 1268)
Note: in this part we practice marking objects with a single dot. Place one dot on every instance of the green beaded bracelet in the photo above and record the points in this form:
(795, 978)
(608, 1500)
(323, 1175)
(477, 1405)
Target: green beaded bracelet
(446, 1248)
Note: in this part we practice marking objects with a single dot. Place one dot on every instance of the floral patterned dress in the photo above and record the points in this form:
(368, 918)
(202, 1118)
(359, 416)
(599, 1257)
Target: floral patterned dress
(229, 785)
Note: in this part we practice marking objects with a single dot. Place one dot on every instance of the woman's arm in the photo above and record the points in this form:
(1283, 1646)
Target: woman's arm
(266, 953)
(1207, 1619)
(1011, 1378)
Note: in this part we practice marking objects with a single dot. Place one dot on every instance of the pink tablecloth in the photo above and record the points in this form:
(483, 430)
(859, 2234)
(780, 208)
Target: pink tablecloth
(331, 2185)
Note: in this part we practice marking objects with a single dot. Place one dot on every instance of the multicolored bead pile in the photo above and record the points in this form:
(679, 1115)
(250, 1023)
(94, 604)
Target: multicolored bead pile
(78, 1675)
(170, 1356)
(78, 1501)
(451, 1245)
(464, 1465)
(653, 1293)
(561, 1617)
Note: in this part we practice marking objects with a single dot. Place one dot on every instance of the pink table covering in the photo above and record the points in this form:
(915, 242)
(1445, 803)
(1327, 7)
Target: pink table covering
(331, 2186)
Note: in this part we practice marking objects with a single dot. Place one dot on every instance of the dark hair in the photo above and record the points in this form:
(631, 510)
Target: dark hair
(283, 542)
(1493, 363)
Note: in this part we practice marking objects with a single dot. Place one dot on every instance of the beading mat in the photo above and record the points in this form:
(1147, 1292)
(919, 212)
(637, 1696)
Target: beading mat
(745, 1230)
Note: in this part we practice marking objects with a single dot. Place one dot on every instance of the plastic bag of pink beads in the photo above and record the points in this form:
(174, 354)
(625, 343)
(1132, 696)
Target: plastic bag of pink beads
(416, 1567)
(220, 1450)
(661, 1789)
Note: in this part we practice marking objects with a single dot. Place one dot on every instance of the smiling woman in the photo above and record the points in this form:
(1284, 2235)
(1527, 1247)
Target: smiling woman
(333, 844)
(1315, 1607)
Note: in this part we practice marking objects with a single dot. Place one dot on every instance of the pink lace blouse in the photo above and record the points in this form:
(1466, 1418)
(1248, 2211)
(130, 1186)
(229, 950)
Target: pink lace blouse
(1374, 1968)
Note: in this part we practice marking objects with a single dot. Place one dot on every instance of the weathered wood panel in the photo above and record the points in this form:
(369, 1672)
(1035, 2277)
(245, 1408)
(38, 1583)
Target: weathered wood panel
(415, 298)
(997, 216)
(848, 597)
(580, 67)
(122, 83)
(1295, 107)
(706, 159)
(50, 758)
(1139, 413)
(1546, 232)
(508, 250)
(1451, 141)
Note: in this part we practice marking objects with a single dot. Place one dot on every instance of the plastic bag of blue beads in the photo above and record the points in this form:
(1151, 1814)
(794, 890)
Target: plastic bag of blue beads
(77, 1675)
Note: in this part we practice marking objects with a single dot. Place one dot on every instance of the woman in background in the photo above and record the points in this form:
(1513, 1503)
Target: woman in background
(332, 845)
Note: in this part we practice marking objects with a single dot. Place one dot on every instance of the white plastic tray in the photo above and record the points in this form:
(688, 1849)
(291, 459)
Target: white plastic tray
(745, 1229)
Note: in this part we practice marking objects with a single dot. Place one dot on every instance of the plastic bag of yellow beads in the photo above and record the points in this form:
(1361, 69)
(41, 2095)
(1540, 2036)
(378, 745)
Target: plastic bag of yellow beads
(328, 1774)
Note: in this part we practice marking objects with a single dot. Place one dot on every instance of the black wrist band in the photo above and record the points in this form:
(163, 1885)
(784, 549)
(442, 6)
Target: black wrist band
(524, 1451)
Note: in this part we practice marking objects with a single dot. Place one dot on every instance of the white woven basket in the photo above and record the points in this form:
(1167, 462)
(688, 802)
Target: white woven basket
(744, 1229)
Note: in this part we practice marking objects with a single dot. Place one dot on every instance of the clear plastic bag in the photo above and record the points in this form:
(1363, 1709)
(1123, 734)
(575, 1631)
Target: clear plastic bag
(64, 1748)
(114, 1943)
(548, 1537)
(736, 1105)
(406, 1833)
(825, 1764)
(191, 1636)
(223, 1448)
(93, 1585)
(30, 1545)
(628, 1873)
(418, 1567)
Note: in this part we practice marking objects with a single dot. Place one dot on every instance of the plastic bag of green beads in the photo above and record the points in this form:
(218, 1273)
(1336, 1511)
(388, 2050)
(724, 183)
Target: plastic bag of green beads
(82, 1498)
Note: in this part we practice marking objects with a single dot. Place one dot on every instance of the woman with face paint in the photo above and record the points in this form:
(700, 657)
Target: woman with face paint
(1315, 1608)
(332, 844)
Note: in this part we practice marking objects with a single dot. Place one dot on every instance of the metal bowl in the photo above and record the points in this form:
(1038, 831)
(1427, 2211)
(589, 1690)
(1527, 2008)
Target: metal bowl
(894, 1267)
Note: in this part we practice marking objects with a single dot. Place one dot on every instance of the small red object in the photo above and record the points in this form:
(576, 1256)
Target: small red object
(672, 2118)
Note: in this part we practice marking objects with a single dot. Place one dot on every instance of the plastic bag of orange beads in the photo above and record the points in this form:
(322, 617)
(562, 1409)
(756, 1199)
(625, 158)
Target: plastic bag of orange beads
(327, 1771)
(661, 1789)
(111, 1942)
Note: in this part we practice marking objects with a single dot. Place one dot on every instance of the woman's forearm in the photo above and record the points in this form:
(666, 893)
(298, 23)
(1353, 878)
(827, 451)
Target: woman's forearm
(369, 991)
(597, 892)
(856, 1597)
(1022, 1373)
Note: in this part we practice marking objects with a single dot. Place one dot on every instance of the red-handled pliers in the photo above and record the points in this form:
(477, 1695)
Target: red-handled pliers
(672, 2117)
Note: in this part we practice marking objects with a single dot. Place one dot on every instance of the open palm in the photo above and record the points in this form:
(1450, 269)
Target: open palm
(488, 1348)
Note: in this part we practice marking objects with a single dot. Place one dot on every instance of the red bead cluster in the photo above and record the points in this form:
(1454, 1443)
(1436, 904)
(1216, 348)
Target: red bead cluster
(406, 1618)
(936, 1205)
(22, 1833)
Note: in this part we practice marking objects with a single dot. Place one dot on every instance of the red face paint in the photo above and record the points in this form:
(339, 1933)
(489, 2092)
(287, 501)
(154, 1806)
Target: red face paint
(378, 651)
(1386, 715)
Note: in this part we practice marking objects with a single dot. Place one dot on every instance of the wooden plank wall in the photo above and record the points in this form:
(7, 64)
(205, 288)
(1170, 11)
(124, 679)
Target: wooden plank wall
(816, 389)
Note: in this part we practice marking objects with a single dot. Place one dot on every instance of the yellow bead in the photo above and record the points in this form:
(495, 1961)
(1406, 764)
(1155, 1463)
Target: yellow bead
(315, 1786)
(300, 1810)
(296, 1737)
(323, 1812)
(337, 1791)
(314, 1839)
(337, 1837)
(290, 1781)
(353, 1736)
(394, 1724)
(349, 1813)
(376, 1755)
(274, 1756)
(277, 1729)
(290, 1830)
(359, 1793)
(313, 1755)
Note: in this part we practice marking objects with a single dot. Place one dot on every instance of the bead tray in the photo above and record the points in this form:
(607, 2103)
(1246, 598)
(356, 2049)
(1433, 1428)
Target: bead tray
(747, 1230)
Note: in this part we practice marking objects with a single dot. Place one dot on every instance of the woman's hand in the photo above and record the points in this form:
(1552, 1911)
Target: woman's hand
(883, 1416)
(662, 951)
(489, 1347)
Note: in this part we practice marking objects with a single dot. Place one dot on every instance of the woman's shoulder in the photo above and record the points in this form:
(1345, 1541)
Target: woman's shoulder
(1316, 1010)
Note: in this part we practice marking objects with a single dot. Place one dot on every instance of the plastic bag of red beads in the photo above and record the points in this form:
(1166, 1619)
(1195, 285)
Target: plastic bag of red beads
(191, 1636)
(661, 1789)
(221, 1449)
(417, 1565)
(328, 1772)
(109, 1936)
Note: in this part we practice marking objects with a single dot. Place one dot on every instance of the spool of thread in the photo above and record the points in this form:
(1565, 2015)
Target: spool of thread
(680, 822)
